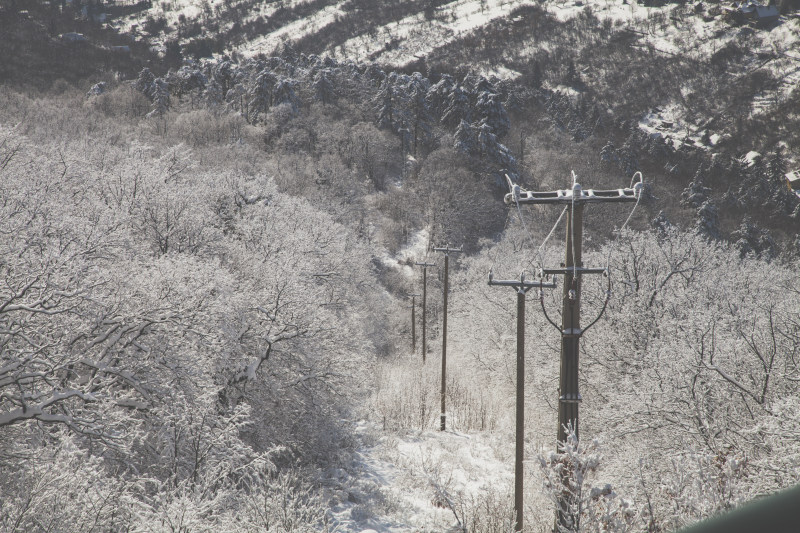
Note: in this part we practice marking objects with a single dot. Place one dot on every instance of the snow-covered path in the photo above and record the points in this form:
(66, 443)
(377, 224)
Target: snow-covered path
(428, 481)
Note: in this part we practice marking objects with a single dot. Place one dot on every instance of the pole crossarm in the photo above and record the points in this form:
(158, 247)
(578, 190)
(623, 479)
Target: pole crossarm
(447, 250)
(521, 284)
(574, 270)
(424, 264)
(571, 196)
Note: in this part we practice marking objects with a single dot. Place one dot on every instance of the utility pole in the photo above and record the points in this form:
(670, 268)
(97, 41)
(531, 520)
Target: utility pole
(522, 287)
(413, 323)
(424, 266)
(571, 332)
(447, 251)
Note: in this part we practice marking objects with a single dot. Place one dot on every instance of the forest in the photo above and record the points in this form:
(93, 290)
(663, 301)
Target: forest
(205, 272)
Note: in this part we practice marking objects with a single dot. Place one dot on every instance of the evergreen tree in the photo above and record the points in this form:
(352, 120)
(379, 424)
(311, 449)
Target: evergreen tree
(386, 112)
(708, 220)
(609, 153)
(492, 112)
(189, 78)
(160, 97)
(261, 92)
(750, 239)
(284, 93)
(439, 94)
(213, 94)
(696, 194)
(420, 115)
(144, 83)
(323, 88)
(465, 140)
(782, 198)
(629, 155)
(458, 108)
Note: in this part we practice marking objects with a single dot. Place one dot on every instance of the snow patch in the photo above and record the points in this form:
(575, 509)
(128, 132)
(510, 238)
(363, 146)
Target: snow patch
(415, 250)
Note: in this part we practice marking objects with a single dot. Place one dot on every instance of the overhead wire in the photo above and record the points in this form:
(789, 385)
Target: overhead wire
(638, 197)
(494, 248)
(572, 225)
(515, 190)
(640, 187)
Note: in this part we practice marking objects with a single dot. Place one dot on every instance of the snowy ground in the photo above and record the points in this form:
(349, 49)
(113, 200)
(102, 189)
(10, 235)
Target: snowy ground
(266, 44)
(405, 258)
(405, 478)
(416, 37)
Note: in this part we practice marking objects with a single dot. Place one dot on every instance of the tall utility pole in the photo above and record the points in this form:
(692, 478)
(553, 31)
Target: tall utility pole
(424, 266)
(569, 395)
(413, 323)
(447, 251)
(522, 287)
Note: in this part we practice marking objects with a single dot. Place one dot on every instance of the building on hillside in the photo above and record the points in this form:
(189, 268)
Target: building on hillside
(793, 181)
(753, 12)
(73, 37)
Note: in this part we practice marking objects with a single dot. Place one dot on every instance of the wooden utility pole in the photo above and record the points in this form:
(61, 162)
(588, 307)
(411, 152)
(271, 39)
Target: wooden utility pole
(571, 332)
(522, 287)
(413, 323)
(424, 266)
(447, 251)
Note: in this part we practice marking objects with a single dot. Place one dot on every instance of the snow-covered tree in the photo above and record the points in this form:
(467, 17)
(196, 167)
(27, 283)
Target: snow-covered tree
(465, 139)
(160, 97)
(285, 93)
(421, 119)
(387, 109)
(708, 220)
(324, 90)
(458, 108)
(580, 504)
(261, 93)
(490, 111)
(696, 193)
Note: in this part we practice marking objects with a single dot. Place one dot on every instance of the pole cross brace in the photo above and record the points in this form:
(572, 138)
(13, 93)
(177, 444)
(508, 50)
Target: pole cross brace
(447, 250)
(570, 196)
(521, 284)
(570, 398)
(574, 270)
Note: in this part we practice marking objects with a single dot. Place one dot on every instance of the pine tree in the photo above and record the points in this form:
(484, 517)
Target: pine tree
(213, 94)
(465, 140)
(386, 112)
(160, 96)
(609, 153)
(438, 95)
(458, 108)
(492, 112)
(420, 116)
(708, 220)
(144, 83)
(261, 92)
(323, 88)
(284, 93)
(696, 194)
(750, 239)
